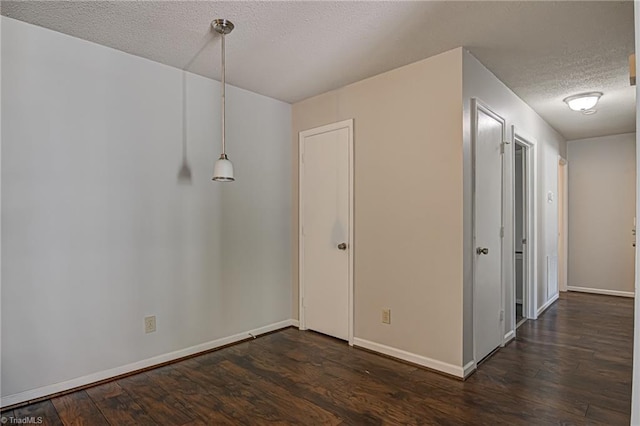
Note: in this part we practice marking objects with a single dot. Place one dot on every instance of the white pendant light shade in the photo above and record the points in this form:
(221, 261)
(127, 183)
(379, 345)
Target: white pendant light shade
(584, 101)
(223, 170)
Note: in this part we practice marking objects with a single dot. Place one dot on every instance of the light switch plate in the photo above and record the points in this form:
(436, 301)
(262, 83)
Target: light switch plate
(386, 316)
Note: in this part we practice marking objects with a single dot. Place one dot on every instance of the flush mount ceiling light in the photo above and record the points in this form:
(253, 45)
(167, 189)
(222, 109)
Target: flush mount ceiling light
(223, 168)
(584, 102)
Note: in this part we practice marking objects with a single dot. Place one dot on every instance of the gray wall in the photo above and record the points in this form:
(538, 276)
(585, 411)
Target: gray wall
(480, 83)
(97, 230)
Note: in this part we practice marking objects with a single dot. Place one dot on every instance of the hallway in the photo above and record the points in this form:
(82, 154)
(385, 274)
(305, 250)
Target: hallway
(576, 358)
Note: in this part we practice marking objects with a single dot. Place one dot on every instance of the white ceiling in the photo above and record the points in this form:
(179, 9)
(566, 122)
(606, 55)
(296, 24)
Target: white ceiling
(291, 50)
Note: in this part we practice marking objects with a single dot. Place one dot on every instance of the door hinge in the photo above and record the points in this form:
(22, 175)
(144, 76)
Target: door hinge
(502, 232)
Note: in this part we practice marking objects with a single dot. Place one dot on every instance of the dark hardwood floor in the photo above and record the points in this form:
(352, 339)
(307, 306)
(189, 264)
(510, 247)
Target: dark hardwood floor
(571, 366)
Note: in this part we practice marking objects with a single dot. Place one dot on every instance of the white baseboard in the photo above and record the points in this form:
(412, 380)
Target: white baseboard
(544, 307)
(433, 364)
(602, 291)
(508, 337)
(295, 323)
(469, 368)
(139, 365)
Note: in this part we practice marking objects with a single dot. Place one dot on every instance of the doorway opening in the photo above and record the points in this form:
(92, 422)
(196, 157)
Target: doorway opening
(524, 223)
(563, 229)
(519, 196)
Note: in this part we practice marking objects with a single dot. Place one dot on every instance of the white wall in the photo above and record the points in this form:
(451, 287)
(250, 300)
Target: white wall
(480, 83)
(97, 232)
(602, 180)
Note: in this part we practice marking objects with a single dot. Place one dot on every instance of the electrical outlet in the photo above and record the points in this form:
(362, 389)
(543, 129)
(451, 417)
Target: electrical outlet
(150, 324)
(386, 316)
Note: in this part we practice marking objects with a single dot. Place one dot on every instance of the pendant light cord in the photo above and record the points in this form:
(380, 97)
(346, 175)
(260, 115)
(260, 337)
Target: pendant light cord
(223, 99)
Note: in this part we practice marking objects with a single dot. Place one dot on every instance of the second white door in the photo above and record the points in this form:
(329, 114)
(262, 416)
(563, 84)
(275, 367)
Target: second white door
(488, 311)
(325, 229)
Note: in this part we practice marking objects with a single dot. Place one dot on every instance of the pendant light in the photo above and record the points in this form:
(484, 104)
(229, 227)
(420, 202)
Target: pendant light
(223, 168)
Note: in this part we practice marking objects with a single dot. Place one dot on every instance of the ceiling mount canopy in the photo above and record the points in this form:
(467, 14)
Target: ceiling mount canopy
(223, 168)
(222, 26)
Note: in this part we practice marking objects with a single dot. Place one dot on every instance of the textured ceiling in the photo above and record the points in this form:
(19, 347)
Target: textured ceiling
(291, 50)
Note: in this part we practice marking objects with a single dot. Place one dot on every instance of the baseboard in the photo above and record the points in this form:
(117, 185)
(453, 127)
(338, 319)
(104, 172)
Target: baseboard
(469, 369)
(295, 323)
(78, 382)
(601, 291)
(423, 361)
(544, 307)
(508, 337)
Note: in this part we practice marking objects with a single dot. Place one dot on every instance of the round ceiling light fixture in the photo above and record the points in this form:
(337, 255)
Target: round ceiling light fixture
(583, 102)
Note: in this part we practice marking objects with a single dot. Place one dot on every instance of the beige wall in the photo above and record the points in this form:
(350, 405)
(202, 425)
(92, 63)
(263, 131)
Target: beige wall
(602, 176)
(408, 218)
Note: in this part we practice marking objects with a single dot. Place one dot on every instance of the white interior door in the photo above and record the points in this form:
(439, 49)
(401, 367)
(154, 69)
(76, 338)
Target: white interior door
(326, 229)
(488, 311)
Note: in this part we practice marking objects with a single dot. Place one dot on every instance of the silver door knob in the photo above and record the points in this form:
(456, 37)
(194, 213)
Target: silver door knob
(482, 250)
(342, 246)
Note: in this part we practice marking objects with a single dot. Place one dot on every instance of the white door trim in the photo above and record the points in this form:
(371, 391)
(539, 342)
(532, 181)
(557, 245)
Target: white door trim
(525, 252)
(348, 124)
(478, 105)
(635, 392)
(531, 260)
(562, 162)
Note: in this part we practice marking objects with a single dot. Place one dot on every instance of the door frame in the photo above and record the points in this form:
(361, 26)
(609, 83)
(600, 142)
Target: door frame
(476, 106)
(526, 220)
(531, 212)
(348, 124)
(563, 167)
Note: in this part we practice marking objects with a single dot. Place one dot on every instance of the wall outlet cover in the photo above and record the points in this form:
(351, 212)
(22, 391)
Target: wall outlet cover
(150, 324)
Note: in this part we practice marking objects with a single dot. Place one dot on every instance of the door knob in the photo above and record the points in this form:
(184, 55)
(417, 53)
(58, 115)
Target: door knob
(482, 250)
(342, 246)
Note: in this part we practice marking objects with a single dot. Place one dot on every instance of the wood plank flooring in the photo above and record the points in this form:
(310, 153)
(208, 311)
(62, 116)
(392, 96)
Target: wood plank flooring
(571, 366)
